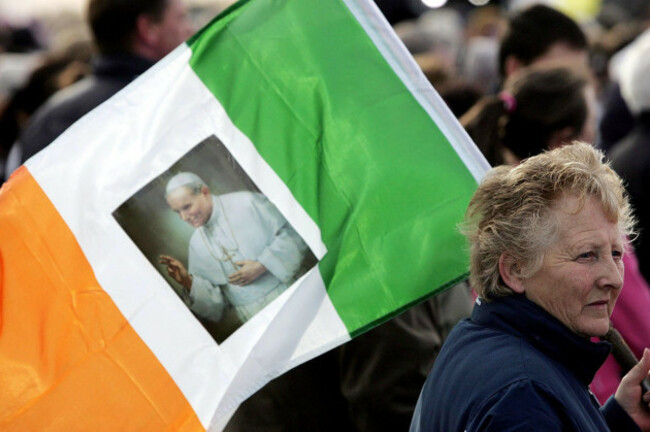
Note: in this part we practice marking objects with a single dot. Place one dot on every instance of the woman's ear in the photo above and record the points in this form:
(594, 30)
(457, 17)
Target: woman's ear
(510, 273)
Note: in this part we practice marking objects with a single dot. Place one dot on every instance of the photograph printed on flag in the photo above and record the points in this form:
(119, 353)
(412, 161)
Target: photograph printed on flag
(221, 245)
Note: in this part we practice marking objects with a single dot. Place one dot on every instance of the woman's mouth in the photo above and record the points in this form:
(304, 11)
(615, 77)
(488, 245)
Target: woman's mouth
(599, 304)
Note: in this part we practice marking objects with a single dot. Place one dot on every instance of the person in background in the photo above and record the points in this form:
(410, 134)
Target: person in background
(547, 239)
(538, 34)
(459, 94)
(478, 58)
(56, 72)
(613, 48)
(539, 108)
(130, 35)
(631, 156)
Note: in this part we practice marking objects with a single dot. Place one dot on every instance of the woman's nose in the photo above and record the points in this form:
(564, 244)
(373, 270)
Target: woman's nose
(612, 273)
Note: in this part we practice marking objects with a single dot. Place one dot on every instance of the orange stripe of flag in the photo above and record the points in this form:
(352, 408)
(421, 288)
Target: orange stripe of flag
(69, 360)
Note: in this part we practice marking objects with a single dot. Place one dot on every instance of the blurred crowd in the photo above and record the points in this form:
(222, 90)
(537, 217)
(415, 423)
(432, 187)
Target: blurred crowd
(45, 54)
(520, 77)
(457, 46)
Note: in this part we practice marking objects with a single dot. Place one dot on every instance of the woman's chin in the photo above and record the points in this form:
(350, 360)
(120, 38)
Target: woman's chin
(593, 328)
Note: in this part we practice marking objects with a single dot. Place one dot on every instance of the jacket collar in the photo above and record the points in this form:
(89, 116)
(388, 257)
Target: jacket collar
(120, 66)
(521, 317)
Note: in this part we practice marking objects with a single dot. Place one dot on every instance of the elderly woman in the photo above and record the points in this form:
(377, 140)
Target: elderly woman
(547, 240)
(541, 108)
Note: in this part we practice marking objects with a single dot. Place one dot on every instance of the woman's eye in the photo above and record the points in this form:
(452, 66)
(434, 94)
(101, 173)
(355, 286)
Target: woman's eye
(586, 255)
(617, 254)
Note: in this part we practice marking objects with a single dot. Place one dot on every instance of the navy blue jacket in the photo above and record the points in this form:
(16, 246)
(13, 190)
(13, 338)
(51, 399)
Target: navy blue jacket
(110, 75)
(512, 366)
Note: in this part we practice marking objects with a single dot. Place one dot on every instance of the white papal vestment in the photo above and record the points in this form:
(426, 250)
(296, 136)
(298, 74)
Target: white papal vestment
(242, 226)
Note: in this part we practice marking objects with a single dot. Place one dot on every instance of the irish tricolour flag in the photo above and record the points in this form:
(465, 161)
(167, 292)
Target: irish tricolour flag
(309, 111)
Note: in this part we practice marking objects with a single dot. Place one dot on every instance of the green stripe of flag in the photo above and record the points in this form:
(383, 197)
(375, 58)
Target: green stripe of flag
(305, 83)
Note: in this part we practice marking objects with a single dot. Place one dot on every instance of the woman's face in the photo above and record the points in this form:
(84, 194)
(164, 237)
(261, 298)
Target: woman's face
(582, 273)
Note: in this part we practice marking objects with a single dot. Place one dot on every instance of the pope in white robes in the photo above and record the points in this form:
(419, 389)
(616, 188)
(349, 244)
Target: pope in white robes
(243, 252)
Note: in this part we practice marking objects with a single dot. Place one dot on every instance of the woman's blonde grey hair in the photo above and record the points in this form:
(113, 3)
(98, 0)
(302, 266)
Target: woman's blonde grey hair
(512, 211)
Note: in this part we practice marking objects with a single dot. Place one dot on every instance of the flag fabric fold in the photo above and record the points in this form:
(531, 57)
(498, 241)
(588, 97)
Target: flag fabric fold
(314, 105)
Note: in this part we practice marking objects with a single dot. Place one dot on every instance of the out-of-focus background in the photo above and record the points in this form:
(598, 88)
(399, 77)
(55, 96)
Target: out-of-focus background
(45, 45)
(458, 36)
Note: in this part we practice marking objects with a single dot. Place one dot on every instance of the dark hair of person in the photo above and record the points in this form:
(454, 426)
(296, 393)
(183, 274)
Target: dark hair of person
(534, 30)
(460, 96)
(113, 22)
(535, 104)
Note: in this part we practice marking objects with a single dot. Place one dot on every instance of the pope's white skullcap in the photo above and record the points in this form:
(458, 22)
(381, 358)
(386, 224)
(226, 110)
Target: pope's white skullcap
(634, 71)
(182, 179)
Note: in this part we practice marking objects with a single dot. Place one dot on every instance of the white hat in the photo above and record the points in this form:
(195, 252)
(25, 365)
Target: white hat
(634, 71)
(183, 179)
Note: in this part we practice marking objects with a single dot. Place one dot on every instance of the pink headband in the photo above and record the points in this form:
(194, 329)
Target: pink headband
(509, 101)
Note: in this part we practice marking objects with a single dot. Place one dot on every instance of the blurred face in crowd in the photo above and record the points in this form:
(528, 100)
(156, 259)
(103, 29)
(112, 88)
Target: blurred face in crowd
(193, 208)
(173, 28)
(561, 52)
(557, 53)
(582, 272)
(588, 132)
